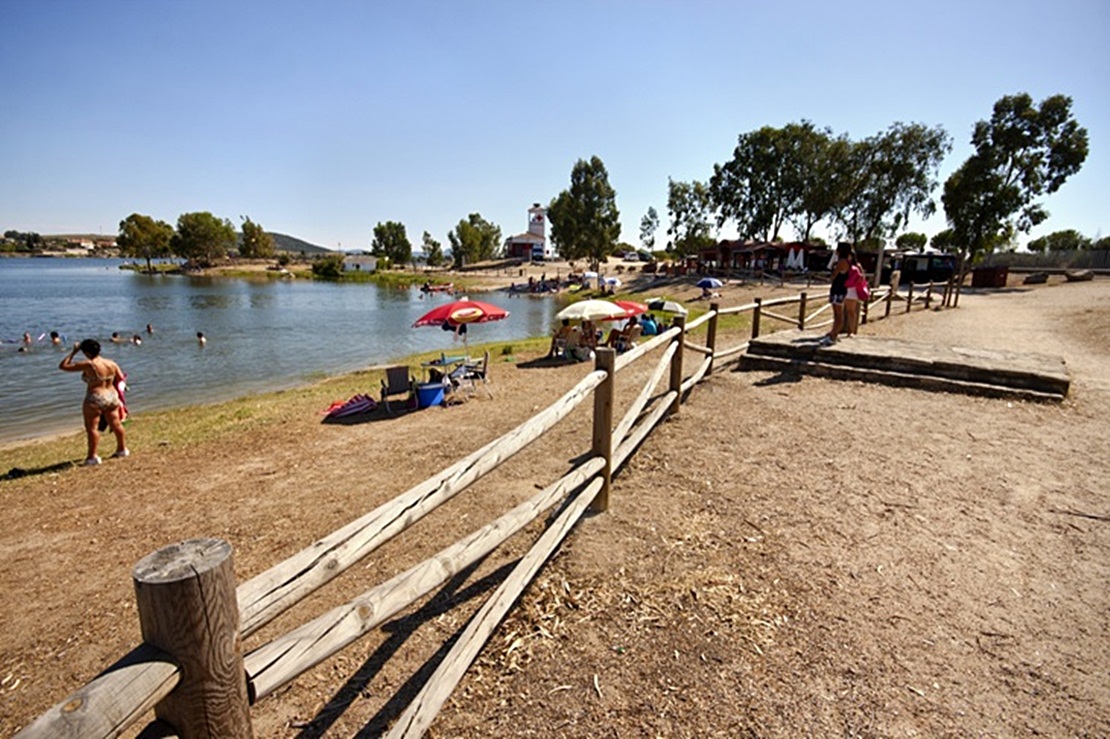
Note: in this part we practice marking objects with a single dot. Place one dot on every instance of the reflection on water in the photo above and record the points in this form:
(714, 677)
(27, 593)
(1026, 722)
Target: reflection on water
(261, 335)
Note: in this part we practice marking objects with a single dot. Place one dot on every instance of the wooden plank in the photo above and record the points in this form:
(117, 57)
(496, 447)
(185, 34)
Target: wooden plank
(284, 659)
(699, 320)
(111, 702)
(726, 353)
(186, 599)
(640, 350)
(737, 309)
(695, 378)
(265, 596)
(789, 319)
(633, 440)
(422, 711)
(641, 400)
(698, 348)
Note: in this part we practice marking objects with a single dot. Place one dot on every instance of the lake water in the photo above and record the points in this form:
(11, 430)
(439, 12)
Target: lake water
(262, 334)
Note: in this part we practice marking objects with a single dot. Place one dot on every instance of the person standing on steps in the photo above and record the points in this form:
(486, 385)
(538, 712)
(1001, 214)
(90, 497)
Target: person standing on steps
(102, 376)
(838, 292)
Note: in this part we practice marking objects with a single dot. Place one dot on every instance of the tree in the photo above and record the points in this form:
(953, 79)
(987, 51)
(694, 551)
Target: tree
(256, 243)
(689, 206)
(911, 241)
(759, 187)
(649, 224)
(585, 222)
(202, 238)
(1069, 240)
(1021, 154)
(820, 155)
(944, 240)
(390, 242)
(474, 240)
(889, 176)
(142, 237)
(433, 251)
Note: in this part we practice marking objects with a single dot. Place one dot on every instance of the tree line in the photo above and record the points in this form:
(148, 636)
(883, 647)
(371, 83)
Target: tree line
(865, 191)
(200, 238)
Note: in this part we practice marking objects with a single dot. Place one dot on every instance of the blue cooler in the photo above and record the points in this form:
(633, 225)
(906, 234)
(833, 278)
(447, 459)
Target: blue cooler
(429, 394)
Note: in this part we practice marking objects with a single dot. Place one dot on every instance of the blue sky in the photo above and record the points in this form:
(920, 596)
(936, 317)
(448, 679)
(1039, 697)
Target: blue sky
(321, 119)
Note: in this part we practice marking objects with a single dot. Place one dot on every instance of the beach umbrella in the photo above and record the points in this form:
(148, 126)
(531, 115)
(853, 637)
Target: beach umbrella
(458, 313)
(631, 307)
(709, 283)
(667, 306)
(614, 281)
(589, 274)
(594, 310)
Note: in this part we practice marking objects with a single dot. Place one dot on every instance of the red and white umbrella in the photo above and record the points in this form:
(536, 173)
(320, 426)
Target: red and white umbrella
(459, 313)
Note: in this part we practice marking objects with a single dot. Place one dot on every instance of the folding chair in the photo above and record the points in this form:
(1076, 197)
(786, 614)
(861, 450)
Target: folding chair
(398, 381)
(474, 373)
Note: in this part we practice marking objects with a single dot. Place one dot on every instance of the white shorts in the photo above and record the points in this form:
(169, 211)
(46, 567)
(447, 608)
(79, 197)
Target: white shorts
(852, 294)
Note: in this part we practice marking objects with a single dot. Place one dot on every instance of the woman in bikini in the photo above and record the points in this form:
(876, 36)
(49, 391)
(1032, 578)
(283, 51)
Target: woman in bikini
(101, 399)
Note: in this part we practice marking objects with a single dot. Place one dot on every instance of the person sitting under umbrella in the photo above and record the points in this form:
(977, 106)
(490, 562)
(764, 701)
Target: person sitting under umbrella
(559, 339)
(618, 337)
(651, 328)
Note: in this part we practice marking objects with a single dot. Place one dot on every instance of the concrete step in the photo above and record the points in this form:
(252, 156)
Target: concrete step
(895, 361)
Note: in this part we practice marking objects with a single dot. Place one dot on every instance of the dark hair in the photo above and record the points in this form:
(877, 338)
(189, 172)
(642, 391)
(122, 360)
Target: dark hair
(845, 251)
(90, 347)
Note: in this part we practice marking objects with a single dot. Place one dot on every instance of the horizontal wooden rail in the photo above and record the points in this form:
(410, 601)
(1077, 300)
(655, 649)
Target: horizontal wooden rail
(788, 319)
(738, 309)
(785, 300)
(699, 320)
(113, 701)
(284, 659)
(726, 353)
(265, 596)
(698, 348)
(416, 719)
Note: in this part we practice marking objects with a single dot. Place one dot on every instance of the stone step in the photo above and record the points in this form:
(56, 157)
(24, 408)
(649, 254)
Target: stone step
(895, 361)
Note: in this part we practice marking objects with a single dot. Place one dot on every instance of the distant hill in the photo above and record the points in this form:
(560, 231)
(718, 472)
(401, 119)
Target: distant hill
(292, 244)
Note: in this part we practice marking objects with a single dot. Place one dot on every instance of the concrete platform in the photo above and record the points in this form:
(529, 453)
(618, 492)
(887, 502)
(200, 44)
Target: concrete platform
(896, 361)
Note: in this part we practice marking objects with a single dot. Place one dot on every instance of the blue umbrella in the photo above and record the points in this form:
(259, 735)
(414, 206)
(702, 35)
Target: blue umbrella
(709, 283)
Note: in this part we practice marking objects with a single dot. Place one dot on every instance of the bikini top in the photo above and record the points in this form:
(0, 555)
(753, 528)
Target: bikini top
(97, 379)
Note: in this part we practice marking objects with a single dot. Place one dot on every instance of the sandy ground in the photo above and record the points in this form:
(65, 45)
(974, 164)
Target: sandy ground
(787, 556)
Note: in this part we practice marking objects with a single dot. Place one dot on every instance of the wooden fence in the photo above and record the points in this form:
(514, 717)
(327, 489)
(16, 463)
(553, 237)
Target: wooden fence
(189, 668)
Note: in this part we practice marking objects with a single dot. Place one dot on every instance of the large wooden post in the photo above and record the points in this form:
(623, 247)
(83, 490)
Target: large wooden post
(909, 297)
(928, 294)
(895, 278)
(605, 360)
(676, 365)
(755, 317)
(187, 608)
(711, 334)
(802, 312)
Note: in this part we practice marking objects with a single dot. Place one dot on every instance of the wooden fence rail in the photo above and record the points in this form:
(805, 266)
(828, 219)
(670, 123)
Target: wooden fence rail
(149, 678)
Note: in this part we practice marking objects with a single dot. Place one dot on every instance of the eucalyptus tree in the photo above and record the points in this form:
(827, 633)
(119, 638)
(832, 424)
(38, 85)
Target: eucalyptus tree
(760, 187)
(889, 176)
(474, 240)
(912, 241)
(202, 237)
(585, 221)
(689, 206)
(1022, 153)
(142, 237)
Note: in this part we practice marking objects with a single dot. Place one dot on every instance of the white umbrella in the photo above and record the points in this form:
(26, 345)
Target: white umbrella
(667, 306)
(592, 310)
(589, 275)
(614, 281)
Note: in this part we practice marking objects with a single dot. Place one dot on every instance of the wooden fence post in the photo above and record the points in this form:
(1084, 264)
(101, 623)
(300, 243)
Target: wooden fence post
(909, 298)
(711, 334)
(947, 301)
(605, 359)
(928, 294)
(802, 312)
(755, 317)
(187, 608)
(863, 313)
(676, 365)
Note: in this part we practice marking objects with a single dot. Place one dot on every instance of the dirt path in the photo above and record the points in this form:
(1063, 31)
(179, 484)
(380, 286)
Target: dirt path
(785, 557)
